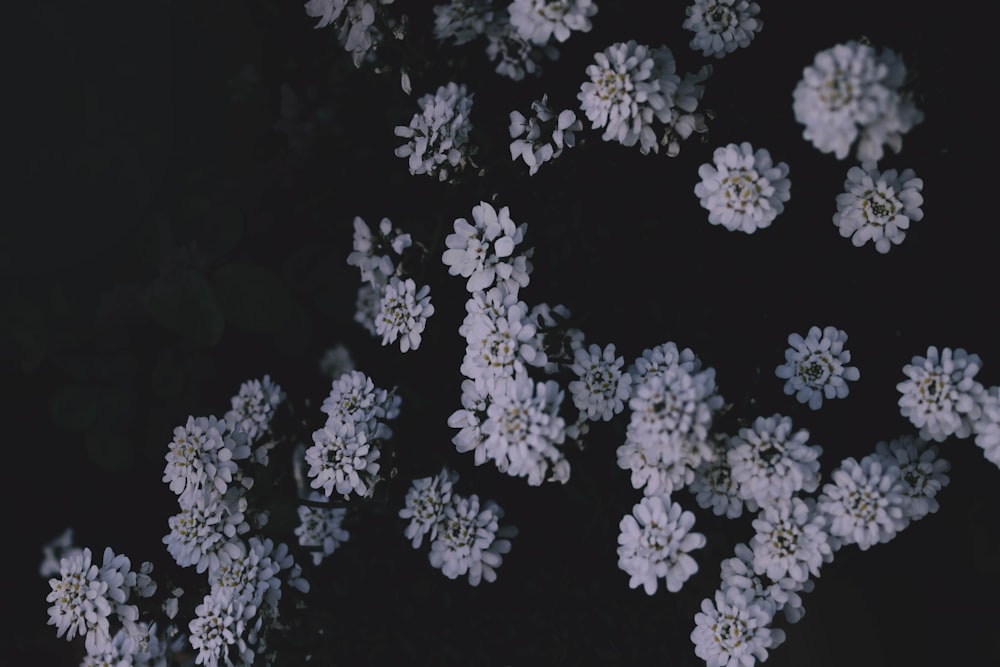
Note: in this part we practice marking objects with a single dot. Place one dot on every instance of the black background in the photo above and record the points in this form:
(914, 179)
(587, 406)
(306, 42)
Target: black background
(149, 170)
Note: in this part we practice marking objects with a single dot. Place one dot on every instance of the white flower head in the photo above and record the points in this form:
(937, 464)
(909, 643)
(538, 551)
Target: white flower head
(815, 366)
(321, 529)
(733, 629)
(343, 459)
(403, 313)
(631, 87)
(375, 254)
(438, 137)
(878, 206)
(722, 26)
(538, 21)
(864, 503)
(743, 190)
(542, 136)
(253, 407)
(602, 387)
(425, 505)
(462, 20)
(987, 426)
(769, 461)
(483, 250)
(922, 471)
(790, 540)
(656, 542)
(470, 541)
(713, 486)
(940, 395)
(515, 56)
(850, 96)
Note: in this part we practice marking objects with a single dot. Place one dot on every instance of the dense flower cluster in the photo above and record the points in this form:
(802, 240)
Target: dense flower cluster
(466, 538)
(656, 542)
(852, 96)
(438, 136)
(940, 394)
(815, 368)
(743, 190)
(878, 206)
(722, 26)
(636, 96)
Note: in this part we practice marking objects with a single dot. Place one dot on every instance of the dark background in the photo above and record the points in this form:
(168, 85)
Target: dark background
(166, 242)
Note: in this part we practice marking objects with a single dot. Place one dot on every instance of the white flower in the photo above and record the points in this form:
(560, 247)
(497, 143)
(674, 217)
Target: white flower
(516, 56)
(987, 427)
(774, 595)
(470, 540)
(540, 20)
(217, 629)
(541, 137)
(204, 533)
(342, 458)
(922, 472)
(425, 505)
(321, 528)
(713, 486)
(722, 26)
(523, 431)
(354, 398)
(53, 552)
(864, 503)
(203, 456)
(403, 313)
(366, 306)
(940, 395)
(501, 343)
(815, 367)
(86, 597)
(439, 135)
(252, 409)
(483, 251)
(768, 461)
(790, 540)
(630, 87)
(656, 542)
(852, 93)
(878, 206)
(373, 253)
(743, 190)
(462, 20)
(603, 387)
(733, 630)
(327, 11)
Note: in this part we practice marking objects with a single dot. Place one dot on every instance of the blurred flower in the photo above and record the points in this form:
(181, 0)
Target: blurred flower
(722, 26)
(538, 21)
(878, 206)
(542, 137)
(462, 20)
(321, 529)
(922, 472)
(987, 427)
(852, 93)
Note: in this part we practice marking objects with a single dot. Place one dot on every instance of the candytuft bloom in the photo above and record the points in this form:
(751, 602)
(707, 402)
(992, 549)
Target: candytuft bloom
(743, 190)
(940, 395)
(815, 368)
(878, 206)
(722, 26)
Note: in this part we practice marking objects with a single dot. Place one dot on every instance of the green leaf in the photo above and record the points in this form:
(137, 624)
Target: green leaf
(253, 297)
(186, 306)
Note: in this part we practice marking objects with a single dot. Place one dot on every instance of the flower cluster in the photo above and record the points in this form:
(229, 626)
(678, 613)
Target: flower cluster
(539, 21)
(722, 26)
(542, 136)
(852, 96)
(636, 96)
(344, 456)
(438, 136)
(356, 23)
(253, 408)
(466, 538)
(90, 599)
(878, 206)
(743, 190)
(940, 395)
(390, 304)
(815, 368)
(656, 542)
